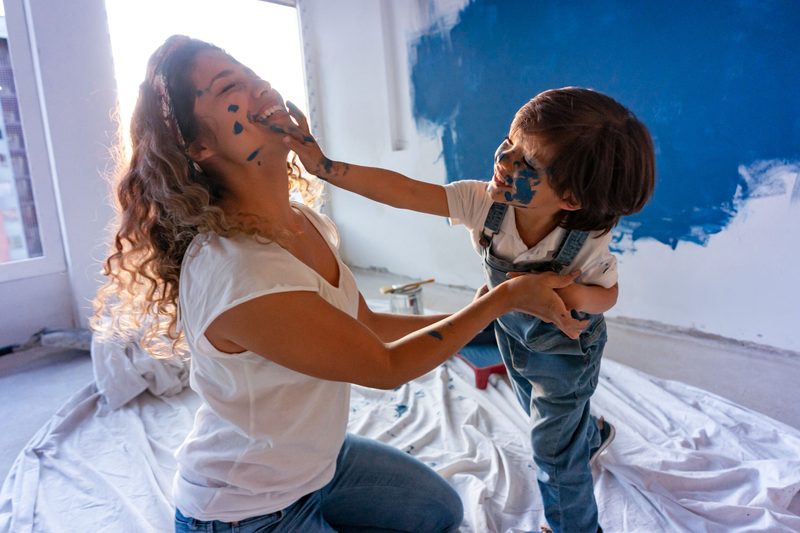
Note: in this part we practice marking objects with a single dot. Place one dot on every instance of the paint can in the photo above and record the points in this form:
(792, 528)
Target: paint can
(406, 302)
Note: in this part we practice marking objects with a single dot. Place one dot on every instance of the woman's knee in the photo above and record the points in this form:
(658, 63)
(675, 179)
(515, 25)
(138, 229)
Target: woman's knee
(439, 496)
(454, 510)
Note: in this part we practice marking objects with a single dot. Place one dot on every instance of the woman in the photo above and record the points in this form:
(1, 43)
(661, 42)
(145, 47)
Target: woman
(275, 326)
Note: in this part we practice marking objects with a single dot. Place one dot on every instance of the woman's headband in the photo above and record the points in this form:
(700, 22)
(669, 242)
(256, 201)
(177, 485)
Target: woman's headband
(161, 87)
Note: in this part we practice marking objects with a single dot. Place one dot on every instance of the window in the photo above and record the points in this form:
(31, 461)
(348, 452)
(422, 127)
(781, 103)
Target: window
(262, 35)
(19, 229)
(30, 239)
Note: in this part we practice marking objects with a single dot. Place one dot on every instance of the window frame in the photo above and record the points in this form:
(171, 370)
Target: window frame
(28, 91)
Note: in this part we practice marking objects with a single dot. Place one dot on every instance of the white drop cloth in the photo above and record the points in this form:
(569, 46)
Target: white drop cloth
(683, 459)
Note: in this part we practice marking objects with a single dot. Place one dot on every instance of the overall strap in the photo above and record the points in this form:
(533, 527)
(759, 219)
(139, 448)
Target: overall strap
(569, 248)
(492, 223)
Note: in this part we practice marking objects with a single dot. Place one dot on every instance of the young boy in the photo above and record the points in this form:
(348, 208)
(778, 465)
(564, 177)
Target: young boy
(573, 163)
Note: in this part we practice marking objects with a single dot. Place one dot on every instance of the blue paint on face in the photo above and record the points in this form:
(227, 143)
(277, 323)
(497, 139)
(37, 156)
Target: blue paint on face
(706, 117)
(253, 155)
(233, 108)
(237, 128)
(524, 177)
(400, 409)
(523, 192)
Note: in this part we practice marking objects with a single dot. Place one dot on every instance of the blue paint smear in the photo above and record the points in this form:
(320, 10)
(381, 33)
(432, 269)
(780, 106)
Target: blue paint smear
(237, 128)
(400, 409)
(253, 155)
(716, 83)
(523, 193)
(233, 108)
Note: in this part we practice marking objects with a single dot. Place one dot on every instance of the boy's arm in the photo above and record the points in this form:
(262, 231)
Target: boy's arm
(384, 186)
(592, 299)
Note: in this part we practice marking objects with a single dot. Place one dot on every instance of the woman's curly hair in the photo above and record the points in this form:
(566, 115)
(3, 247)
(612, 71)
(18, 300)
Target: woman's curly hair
(163, 200)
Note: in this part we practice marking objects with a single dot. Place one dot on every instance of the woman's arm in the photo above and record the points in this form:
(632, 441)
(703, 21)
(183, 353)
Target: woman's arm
(301, 331)
(381, 185)
(390, 326)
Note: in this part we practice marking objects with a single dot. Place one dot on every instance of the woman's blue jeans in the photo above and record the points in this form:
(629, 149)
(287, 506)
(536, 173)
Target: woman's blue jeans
(375, 488)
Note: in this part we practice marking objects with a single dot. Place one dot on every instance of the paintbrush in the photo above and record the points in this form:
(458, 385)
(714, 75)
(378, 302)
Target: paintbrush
(405, 287)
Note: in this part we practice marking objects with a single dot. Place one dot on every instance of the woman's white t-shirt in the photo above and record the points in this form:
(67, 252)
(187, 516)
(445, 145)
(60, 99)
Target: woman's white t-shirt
(264, 435)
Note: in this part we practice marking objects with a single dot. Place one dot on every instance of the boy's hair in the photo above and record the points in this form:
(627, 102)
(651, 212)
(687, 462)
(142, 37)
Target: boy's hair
(601, 155)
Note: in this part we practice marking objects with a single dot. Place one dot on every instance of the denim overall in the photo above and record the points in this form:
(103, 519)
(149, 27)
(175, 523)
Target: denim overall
(554, 377)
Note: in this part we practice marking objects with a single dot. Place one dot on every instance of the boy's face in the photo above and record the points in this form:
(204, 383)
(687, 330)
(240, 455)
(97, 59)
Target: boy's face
(520, 176)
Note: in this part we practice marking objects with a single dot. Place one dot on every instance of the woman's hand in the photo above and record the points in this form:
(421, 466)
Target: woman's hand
(301, 142)
(535, 294)
(481, 291)
(589, 298)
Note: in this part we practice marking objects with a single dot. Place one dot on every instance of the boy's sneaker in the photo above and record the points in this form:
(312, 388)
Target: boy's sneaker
(607, 434)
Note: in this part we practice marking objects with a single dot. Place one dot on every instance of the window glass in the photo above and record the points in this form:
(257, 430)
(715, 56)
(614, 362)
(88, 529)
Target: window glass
(19, 229)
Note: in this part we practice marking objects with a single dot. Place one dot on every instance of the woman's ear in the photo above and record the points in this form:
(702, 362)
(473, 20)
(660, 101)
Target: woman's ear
(198, 151)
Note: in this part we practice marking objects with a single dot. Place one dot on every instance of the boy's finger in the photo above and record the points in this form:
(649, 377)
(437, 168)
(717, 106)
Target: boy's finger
(293, 131)
(293, 144)
(297, 115)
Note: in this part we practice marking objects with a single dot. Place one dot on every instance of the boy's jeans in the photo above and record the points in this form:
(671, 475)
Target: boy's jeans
(554, 377)
(375, 488)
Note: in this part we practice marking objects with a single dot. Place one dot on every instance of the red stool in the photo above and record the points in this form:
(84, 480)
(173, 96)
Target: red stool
(484, 360)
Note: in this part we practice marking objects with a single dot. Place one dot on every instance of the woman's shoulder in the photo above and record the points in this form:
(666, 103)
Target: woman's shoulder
(209, 247)
(211, 256)
(227, 268)
(323, 222)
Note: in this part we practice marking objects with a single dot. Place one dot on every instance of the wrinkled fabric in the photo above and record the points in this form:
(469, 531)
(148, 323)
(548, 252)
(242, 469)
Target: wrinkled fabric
(124, 371)
(684, 460)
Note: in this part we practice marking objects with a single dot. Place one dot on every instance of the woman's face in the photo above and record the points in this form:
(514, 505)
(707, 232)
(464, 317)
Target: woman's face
(244, 115)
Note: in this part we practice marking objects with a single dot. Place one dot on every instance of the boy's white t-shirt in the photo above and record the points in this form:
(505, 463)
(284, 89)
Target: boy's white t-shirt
(469, 203)
(264, 435)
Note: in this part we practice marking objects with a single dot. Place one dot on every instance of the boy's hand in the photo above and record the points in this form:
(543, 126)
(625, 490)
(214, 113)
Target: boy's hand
(535, 294)
(301, 142)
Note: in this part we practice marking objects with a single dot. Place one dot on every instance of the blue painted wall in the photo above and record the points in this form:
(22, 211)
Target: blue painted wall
(717, 83)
